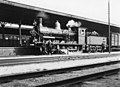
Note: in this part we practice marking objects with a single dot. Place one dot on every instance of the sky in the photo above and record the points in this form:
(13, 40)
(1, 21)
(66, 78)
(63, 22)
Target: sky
(93, 9)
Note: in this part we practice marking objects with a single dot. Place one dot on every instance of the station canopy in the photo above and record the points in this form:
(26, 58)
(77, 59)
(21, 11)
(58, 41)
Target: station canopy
(13, 12)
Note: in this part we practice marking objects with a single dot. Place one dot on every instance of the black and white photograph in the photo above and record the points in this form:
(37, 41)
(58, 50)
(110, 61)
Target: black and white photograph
(59, 43)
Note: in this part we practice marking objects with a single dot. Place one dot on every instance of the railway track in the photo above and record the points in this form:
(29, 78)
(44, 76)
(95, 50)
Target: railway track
(109, 79)
(68, 74)
(82, 81)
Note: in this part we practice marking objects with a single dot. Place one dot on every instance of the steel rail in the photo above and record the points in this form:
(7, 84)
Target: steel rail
(12, 77)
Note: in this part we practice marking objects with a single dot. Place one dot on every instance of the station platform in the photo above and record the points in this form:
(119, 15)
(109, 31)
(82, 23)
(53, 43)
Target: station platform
(58, 55)
(18, 52)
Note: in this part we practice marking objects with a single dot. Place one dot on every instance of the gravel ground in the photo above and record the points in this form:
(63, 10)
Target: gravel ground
(107, 81)
(31, 82)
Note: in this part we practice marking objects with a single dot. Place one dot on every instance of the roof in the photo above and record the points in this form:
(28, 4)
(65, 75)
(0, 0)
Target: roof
(15, 12)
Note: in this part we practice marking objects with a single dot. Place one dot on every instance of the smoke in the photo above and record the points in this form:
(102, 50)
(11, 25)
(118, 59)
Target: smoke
(72, 23)
(42, 15)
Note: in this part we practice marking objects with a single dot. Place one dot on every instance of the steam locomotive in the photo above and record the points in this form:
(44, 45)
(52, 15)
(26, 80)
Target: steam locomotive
(86, 41)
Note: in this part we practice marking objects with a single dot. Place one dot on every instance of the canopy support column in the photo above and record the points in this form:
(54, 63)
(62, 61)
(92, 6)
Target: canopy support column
(20, 34)
(3, 26)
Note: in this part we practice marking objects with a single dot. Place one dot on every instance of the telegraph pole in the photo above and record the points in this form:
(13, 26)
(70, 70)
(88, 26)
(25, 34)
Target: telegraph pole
(109, 26)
